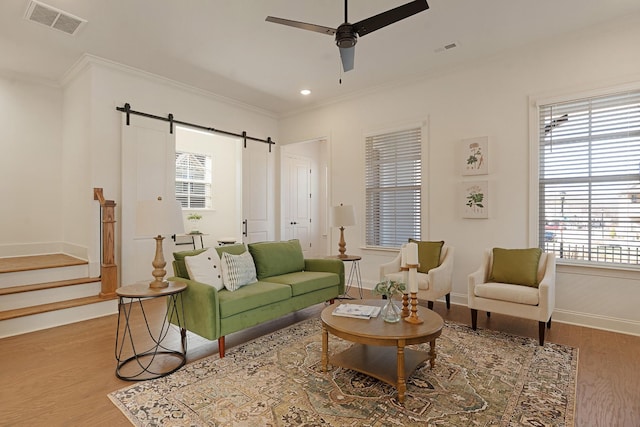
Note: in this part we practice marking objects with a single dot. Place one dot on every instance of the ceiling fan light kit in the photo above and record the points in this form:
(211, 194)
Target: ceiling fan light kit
(346, 35)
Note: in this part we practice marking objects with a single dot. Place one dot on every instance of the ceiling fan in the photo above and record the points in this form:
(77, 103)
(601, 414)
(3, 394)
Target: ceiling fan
(347, 34)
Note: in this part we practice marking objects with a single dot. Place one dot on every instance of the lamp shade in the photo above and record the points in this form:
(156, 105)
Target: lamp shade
(343, 216)
(158, 218)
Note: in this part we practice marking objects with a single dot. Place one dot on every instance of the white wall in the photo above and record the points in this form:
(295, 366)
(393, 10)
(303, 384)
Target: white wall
(488, 98)
(30, 167)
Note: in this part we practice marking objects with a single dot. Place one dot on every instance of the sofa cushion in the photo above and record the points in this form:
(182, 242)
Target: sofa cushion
(506, 292)
(275, 258)
(516, 266)
(237, 270)
(249, 297)
(237, 249)
(428, 254)
(303, 282)
(205, 268)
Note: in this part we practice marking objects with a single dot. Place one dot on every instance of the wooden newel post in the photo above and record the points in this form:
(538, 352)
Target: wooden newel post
(108, 267)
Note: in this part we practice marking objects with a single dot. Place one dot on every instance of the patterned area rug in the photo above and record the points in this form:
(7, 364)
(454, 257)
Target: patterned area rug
(481, 378)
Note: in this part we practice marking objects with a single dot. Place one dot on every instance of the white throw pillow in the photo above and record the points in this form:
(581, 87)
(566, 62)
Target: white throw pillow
(238, 270)
(205, 268)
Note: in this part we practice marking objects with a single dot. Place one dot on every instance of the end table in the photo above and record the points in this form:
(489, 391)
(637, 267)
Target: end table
(158, 360)
(354, 273)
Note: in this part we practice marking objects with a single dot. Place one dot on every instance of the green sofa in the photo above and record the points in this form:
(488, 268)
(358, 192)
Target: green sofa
(286, 282)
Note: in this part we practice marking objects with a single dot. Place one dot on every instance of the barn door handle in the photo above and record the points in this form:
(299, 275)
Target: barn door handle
(245, 232)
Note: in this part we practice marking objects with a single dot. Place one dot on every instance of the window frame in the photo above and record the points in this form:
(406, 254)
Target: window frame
(409, 127)
(536, 235)
(207, 182)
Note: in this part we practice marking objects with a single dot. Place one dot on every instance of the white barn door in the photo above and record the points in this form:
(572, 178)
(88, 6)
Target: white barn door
(148, 171)
(258, 166)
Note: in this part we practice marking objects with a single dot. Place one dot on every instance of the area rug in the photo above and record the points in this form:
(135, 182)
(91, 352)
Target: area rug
(481, 378)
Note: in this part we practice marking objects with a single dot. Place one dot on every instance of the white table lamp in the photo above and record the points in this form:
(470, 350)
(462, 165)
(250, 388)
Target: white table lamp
(158, 218)
(343, 216)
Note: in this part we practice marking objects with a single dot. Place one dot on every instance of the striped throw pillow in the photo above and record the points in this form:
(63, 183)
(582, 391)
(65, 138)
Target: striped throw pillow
(237, 270)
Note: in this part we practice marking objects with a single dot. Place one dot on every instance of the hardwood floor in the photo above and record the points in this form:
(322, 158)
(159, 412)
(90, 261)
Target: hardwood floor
(61, 376)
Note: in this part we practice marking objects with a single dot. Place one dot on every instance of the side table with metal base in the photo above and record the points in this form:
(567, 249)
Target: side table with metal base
(157, 359)
(354, 273)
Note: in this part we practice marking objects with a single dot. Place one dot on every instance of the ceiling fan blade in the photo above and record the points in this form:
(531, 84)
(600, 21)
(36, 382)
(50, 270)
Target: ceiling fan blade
(302, 25)
(347, 56)
(383, 19)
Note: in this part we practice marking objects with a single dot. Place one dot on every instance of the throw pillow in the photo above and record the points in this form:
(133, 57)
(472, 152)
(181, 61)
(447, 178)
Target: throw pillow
(428, 254)
(237, 270)
(205, 268)
(516, 266)
(276, 258)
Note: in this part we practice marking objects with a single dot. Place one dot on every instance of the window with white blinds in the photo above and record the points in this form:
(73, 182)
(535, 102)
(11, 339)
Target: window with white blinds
(193, 180)
(589, 180)
(393, 187)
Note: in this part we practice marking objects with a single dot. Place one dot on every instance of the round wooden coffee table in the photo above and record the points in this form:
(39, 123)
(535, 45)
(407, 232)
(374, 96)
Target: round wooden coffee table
(379, 346)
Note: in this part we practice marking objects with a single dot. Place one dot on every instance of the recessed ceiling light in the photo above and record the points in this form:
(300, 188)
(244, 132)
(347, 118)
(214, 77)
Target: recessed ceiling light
(305, 92)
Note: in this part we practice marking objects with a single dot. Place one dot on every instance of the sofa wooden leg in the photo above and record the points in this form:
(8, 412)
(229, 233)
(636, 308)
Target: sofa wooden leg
(430, 305)
(549, 323)
(541, 326)
(474, 319)
(331, 301)
(447, 297)
(221, 347)
(488, 314)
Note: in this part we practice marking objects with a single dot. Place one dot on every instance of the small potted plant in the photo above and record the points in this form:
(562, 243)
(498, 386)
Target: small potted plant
(389, 288)
(193, 218)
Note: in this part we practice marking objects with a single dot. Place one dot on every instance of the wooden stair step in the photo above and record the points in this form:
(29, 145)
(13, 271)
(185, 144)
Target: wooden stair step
(38, 262)
(44, 308)
(49, 285)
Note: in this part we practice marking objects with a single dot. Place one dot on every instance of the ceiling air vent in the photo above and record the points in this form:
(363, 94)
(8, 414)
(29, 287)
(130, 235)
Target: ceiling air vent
(53, 18)
(447, 47)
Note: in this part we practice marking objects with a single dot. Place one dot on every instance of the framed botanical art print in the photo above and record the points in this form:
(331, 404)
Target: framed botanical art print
(474, 156)
(475, 199)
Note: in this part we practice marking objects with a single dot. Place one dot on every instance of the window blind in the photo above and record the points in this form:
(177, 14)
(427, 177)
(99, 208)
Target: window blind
(193, 180)
(393, 187)
(589, 178)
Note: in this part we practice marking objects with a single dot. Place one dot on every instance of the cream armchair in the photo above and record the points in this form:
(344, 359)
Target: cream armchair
(432, 285)
(535, 303)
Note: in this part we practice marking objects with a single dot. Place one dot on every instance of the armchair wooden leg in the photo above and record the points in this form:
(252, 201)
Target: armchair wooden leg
(448, 298)
(474, 319)
(549, 323)
(221, 347)
(430, 305)
(541, 332)
(488, 314)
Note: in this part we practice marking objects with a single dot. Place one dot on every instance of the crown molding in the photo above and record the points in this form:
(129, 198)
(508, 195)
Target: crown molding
(88, 60)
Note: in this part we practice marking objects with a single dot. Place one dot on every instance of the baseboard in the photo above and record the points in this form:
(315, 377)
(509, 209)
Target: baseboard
(588, 320)
(41, 248)
(612, 324)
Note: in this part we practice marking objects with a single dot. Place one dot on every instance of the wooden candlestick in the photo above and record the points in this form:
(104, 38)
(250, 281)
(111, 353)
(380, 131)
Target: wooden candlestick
(405, 305)
(413, 316)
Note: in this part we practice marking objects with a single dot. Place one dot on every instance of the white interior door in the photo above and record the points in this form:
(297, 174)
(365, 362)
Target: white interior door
(297, 200)
(148, 171)
(258, 166)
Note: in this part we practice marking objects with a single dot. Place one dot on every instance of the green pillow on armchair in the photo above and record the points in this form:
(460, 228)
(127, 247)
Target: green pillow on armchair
(428, 254)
